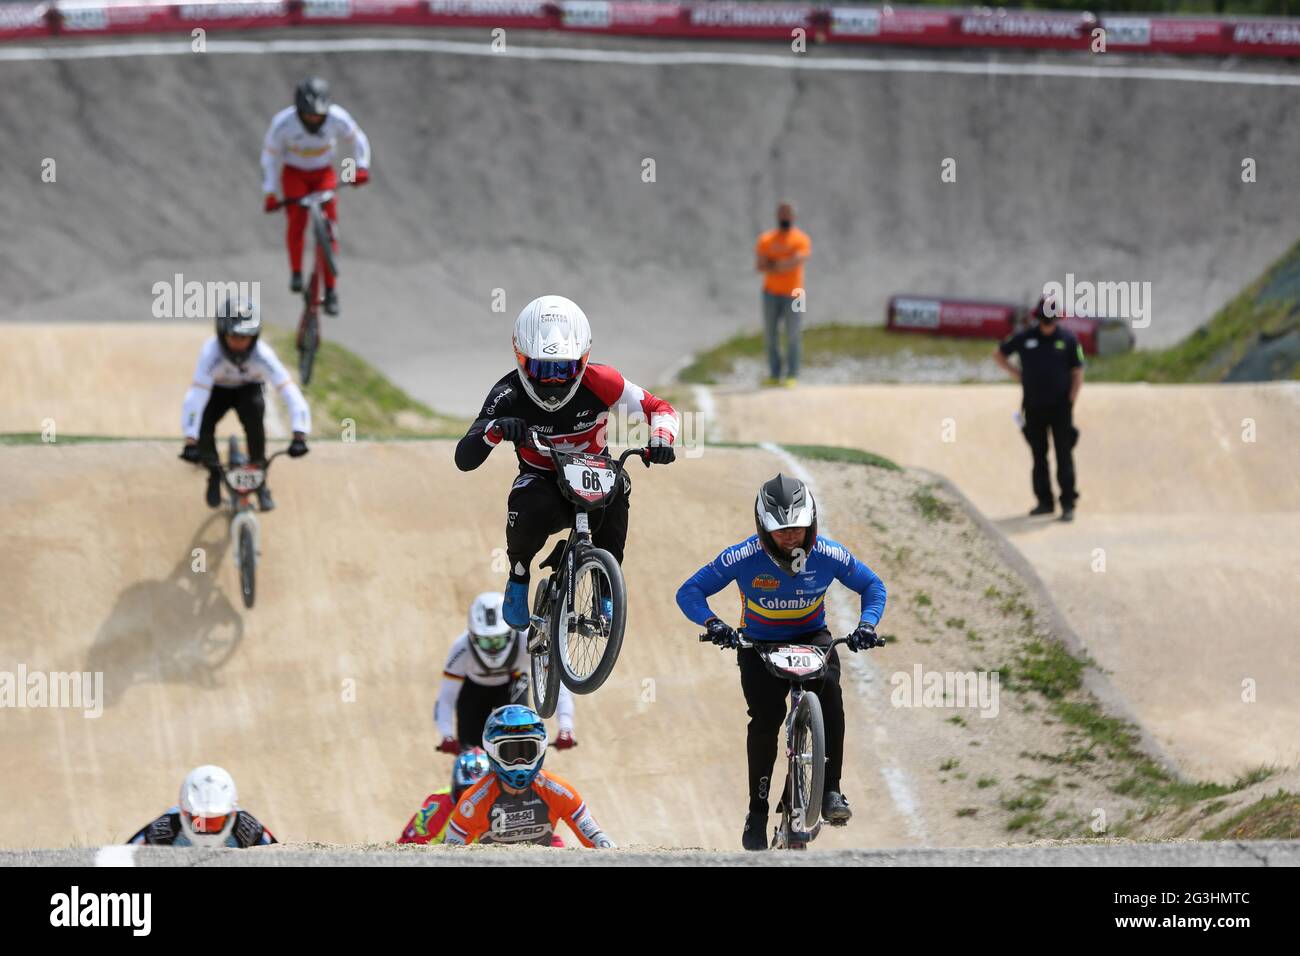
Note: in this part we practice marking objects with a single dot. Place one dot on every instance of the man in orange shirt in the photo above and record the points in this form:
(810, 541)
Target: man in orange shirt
(781, 253)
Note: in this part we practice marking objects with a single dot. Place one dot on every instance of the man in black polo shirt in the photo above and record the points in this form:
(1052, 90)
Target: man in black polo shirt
(1051, 371)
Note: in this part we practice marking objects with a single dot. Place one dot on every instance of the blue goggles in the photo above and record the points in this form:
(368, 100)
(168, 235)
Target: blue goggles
(545, 370)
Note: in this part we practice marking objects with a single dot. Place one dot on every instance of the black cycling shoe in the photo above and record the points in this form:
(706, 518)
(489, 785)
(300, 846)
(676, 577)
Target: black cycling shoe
(1042, 510)
(755, 835)
(213, 496)
(1067, 514)
(835, 809)
(264, 500)
(331, 302)
(295, 282)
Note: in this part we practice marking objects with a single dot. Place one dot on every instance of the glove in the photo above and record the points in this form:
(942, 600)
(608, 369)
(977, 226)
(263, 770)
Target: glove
(190, 453)
(721, 633)
(865, 638)
(662, 453)
(564, 741)
(270, 203)
(298, 447)
(363, 177)
(449, 745)
(510, 429)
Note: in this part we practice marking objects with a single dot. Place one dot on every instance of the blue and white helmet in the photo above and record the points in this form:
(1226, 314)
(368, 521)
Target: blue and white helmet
(469, 767)
(515, 740)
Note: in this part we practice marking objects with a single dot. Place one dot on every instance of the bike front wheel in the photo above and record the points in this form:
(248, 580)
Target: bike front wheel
(541, 655)
(807, 763)
(247, 566)
(588, 637)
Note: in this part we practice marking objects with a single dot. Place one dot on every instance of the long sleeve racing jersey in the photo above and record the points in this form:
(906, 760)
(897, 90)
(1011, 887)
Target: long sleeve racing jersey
(776, 606)
(263, 366)
(289, 143)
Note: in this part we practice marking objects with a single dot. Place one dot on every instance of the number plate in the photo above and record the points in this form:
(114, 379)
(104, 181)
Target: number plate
(246, 478)
(796, 659)
(589, 476)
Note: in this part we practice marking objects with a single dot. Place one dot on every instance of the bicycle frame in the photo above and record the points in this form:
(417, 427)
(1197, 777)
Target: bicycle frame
(792, 832)
(580, 535)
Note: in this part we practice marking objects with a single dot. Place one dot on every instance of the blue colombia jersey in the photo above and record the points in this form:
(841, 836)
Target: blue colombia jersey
(776, 605)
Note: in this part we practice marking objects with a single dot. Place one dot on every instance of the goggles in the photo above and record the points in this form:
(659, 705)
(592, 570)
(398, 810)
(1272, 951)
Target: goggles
(517, 751)
(545, 370)
(207, 824)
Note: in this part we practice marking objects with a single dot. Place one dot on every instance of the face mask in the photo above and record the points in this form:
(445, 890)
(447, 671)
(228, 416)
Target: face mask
(785, 223)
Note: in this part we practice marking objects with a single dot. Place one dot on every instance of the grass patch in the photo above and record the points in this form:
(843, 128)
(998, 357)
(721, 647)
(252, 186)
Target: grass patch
(985, 782)
(967, 811)
(929, 507)
(849, 456)
(346, 387)
(1047, 667)
(1268, 309)
(1272, 818)
(37, 438)
(826, 344)
(921, 599)
(950, 764)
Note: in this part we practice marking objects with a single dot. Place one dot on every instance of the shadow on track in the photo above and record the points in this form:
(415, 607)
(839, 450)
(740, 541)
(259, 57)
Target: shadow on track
(180, 629)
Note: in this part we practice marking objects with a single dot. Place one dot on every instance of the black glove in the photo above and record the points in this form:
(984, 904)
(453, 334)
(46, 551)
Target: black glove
(662, 454)
(865, 637)
(191, 453)
(721, 633)
(297, 447)
(511, 429)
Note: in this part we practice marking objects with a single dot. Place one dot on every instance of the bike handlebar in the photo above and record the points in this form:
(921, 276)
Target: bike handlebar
(541, 443)
(746, 642)
(319, 198)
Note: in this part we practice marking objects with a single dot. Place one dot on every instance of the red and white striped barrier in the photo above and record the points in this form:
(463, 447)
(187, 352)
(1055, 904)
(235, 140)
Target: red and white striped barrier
(881, 25)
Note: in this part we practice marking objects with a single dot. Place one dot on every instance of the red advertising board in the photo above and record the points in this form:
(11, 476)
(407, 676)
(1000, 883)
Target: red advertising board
(959, 317)
(21, 20)
(973, 28)
(758, 21)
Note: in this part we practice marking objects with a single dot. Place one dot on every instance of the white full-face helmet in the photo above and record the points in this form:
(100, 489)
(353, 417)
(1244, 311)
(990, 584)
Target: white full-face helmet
(208, 802)
(552, 343)
(490, 637)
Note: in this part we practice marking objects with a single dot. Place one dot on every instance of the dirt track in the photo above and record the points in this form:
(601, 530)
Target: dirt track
(368, 564)
(516, 177)
(1198, 529)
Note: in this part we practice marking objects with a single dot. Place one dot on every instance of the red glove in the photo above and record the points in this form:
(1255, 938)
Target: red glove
(363, 177)
(270, 203)
(449, 745)
(564, 741)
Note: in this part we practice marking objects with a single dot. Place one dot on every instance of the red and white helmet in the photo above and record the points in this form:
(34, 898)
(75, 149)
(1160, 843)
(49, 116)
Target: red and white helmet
(552, 343)
(208, 804)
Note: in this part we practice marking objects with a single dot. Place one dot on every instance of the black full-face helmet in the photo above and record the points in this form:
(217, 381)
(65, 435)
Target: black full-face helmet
(785, 502)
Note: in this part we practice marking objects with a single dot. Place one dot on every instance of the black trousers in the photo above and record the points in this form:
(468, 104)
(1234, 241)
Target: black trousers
(475, 703)
(248, 403)
(537, 509)
(767, 697)
(1058, 421)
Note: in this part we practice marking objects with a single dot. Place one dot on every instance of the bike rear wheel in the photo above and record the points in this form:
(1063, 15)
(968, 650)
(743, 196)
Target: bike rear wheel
(807, 763)
(247, 566)
(541, 655)
(586, 640)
